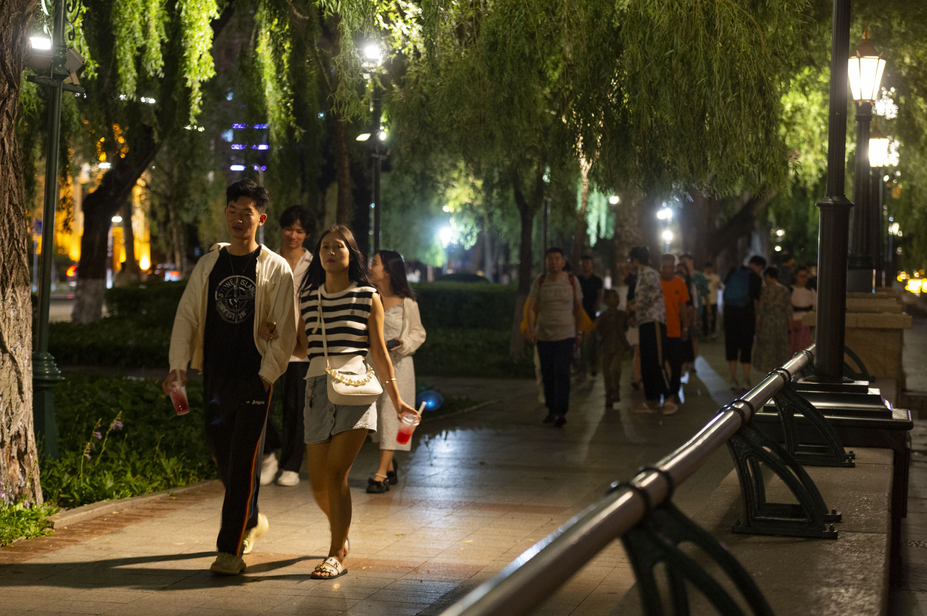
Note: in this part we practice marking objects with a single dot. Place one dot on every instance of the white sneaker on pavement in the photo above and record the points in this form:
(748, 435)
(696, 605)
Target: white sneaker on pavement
(288, 479)
(268, 469)
(255, 533)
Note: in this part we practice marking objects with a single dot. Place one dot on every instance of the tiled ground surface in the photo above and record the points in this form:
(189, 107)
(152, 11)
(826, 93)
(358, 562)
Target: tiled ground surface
(477, 490)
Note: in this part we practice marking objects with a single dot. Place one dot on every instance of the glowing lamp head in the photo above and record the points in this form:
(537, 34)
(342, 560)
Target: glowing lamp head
(878, 149)
(865, 70)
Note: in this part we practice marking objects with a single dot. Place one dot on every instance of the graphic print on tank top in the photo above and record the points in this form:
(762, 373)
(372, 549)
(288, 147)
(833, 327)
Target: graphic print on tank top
(235, 299)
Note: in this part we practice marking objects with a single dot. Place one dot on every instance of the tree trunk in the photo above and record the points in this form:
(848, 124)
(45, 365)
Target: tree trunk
(579, 235)
(741, 224)
(526, 211)
(19, 468)
(128, 238)
(340, 136)
(99, 208)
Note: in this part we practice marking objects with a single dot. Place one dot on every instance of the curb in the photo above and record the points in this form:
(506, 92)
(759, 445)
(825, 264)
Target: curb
(93, 510)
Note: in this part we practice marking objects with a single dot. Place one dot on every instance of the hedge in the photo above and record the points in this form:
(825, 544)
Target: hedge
(445, 305)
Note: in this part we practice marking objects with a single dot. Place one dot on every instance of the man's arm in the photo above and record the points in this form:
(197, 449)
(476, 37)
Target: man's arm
(184, 330)
(283, 312)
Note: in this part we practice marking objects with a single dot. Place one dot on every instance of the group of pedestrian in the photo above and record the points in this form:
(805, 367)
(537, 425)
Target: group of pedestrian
(248, 317)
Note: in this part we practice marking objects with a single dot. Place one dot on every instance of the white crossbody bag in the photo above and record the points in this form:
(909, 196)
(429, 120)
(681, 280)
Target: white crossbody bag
(344, 387)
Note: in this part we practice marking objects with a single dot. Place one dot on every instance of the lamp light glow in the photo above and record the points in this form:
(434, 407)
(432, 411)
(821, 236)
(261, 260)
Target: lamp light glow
(878, 149)
(40, 42)
(865, 71)
(614, 199)
(667, 236)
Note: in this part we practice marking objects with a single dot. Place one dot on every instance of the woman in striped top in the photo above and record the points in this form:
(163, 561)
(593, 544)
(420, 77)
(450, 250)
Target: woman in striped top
(353, 316)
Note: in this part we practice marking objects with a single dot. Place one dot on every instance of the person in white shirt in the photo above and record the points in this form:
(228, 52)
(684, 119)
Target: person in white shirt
(804, 299)
(296, 223)
(710, 314)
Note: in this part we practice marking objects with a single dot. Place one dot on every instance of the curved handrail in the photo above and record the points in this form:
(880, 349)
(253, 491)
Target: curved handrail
(537, 573)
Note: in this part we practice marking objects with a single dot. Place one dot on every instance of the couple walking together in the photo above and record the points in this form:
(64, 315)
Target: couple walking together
(234, 290)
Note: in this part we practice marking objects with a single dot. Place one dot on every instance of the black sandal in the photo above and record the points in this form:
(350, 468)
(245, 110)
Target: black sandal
(377, 487)
(393, 476)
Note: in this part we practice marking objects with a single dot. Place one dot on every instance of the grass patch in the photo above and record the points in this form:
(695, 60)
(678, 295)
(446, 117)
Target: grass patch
(24, 520)
(119, 437)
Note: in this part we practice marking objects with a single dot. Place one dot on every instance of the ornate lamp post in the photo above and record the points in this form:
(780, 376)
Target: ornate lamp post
(54, 66)
(373, 57)
(878, 158)
(865, 69)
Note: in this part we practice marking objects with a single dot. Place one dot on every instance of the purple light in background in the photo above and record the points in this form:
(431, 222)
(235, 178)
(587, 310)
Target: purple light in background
(238, 146)
(239, 126)
(262, 146)
(260, 126)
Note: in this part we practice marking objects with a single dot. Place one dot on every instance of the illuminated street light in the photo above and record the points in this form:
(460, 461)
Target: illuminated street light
(778, 248)
(363, 137)
(667, 236)
(614, 199)
(865, 71)
(878, 149)
(665, 214)
(780, 232)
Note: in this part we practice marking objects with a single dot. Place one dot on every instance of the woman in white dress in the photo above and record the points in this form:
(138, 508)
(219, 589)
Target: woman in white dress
(404, 334)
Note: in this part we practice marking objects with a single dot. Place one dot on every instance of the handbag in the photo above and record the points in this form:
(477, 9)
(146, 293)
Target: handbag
(348, 388)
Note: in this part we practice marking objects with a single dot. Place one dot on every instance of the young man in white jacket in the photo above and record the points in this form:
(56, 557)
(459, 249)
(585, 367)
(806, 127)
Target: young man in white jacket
(233, 289)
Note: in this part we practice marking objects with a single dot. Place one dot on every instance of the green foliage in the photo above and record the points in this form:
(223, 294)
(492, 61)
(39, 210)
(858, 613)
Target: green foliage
(111, 341)
(121, 438)
(472, 352)
(149, 304)
(459, 305)
(196, 17)
(24, 520)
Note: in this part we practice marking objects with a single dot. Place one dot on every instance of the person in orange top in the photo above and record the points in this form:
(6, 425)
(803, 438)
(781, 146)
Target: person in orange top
(675, 297)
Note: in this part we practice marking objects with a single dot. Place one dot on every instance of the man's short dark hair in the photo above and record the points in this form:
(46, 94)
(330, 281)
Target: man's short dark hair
(786, 257)
(687, 256)
(772, 271)
(551, 251)
(248, 188)
(757, 260)
(300, 214)
(641, 254)
(586, 258)
(668, 257)
(609, 293)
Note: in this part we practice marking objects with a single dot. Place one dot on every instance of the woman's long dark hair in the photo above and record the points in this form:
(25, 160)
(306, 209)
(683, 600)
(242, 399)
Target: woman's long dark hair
(396, 268)
(357, 264)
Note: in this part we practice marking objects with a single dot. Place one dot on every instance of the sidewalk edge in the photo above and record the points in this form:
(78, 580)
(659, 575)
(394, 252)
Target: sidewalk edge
(93, 510)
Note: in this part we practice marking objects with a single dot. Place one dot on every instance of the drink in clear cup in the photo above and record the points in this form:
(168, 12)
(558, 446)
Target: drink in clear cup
(179, 398)
(407, 423)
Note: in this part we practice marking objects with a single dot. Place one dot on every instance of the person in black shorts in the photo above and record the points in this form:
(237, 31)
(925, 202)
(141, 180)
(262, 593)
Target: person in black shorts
(233, 289)
(742, 288)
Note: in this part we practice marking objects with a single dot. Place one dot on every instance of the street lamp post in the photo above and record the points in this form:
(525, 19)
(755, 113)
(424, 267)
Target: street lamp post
(54, 69)
(878, 155)
(830, 322)
(865, 69)
(373, 56)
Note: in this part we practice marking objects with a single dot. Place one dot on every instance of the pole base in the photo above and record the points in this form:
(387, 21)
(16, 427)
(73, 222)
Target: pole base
(45, 375)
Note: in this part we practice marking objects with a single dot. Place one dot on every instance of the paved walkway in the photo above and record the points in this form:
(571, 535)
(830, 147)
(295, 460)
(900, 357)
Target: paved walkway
(478, 489)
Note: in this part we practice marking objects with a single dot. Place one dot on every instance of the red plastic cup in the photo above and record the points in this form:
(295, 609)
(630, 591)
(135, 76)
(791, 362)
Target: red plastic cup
(407, 423)
(179, 398)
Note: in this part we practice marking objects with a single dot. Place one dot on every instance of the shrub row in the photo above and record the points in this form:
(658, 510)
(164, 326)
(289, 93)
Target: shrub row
(443, 305)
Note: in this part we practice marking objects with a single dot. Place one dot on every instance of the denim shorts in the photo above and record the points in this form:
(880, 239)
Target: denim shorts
(324, 419)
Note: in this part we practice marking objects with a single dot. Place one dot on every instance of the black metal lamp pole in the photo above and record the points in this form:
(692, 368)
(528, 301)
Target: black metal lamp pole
(45, 374)
(833, 236)
(860, 262)
(377, 163)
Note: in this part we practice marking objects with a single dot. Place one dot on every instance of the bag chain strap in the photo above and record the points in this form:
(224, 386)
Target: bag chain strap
(341, 378)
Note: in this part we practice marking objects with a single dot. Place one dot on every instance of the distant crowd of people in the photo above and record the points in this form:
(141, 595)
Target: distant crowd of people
(577, 324)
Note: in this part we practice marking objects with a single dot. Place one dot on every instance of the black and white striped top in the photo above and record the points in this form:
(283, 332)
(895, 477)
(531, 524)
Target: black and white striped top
(345, 315)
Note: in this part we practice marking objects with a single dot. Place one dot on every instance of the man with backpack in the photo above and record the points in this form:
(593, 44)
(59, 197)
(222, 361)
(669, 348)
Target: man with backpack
(555, 325)
(742, 289)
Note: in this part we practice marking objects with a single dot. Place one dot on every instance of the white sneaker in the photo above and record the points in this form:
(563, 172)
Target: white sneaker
(255, 533)
(268, 469)
(288, 479)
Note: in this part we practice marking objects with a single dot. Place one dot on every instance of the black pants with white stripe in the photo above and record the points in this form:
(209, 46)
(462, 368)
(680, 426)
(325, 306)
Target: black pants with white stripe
(653, 354)
(235, 416)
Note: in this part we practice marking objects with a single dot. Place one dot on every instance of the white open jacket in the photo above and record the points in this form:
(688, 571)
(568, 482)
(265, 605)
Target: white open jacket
(413, 334)
(274, 302)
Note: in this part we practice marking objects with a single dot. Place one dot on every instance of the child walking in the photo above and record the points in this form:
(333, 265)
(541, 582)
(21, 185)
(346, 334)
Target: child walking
(612, 327)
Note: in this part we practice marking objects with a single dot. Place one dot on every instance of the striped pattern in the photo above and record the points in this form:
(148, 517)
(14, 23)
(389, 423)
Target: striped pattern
(345, 315)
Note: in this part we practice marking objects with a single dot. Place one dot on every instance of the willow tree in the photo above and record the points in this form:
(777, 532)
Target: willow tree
(19, 469)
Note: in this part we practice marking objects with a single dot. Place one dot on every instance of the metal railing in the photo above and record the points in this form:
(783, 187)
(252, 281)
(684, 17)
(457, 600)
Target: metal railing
(539, 572)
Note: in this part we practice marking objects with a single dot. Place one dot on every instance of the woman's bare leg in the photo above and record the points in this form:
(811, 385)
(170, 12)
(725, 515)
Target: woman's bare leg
(386, 462)
(342, 450)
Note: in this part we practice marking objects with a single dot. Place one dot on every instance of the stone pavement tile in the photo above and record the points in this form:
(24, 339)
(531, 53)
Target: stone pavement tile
(373, 607)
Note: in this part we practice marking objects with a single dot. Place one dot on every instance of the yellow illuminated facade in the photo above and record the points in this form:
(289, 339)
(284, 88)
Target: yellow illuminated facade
(68, 239)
